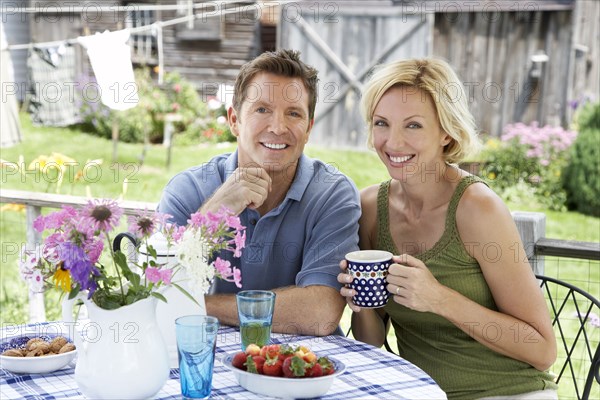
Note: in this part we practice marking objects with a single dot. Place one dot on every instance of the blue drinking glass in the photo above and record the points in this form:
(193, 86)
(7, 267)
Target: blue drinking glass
(255, 312)
(196, 343)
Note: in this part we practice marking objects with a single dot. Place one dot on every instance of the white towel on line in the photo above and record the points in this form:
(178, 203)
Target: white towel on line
(110, 57)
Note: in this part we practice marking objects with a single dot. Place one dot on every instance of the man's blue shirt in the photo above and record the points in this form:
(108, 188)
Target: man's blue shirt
(300, 242)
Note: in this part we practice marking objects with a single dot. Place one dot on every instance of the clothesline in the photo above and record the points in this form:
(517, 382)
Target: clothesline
(158, 25)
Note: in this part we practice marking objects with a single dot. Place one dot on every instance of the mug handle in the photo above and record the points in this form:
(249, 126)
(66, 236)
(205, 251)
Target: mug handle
(117, 240)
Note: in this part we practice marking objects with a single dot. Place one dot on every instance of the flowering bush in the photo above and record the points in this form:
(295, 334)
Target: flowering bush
(211, 128)
(530, 155)
(176, 95)
(70, 258)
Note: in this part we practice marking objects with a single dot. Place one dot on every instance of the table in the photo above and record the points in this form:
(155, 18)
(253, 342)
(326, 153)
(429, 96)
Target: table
(370, 372)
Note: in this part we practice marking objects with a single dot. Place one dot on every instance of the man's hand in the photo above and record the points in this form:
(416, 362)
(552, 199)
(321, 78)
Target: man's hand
(246, 187)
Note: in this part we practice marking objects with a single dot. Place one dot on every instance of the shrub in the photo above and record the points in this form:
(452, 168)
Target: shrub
(581, 180)
(177, 96)
(531, 155)
(213, 128)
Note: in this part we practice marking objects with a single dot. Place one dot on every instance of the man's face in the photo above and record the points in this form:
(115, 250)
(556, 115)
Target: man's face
(273, 125)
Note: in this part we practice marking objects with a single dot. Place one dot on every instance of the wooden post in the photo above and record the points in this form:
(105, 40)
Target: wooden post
(169, 119)
(532, 227)
(37, 308)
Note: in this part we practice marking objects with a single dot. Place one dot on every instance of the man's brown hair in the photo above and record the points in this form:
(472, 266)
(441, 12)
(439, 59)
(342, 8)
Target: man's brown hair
(283, 63)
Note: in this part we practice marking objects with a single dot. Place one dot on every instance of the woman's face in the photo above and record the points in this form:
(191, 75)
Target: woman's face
(407, 134)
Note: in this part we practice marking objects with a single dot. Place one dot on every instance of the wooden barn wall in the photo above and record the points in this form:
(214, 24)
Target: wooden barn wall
(492, 53)
(205, 62)
(359, 39)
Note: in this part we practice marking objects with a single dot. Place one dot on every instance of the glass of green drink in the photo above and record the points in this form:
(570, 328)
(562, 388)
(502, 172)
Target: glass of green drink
(255, 312)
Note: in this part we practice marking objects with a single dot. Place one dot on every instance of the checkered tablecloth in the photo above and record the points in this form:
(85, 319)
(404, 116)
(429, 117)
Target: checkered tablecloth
(370, 373)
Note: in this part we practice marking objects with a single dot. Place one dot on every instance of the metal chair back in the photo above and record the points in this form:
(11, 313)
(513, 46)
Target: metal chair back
(576, 320)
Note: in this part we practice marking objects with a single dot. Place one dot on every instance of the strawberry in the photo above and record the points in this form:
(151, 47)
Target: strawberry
(270, 351)
(310, 357)
(285, 351)
(252, 350)
(294, 367)
(239, 360)
(326, 365)
(254, 364)
(314, 370)
(273, 366)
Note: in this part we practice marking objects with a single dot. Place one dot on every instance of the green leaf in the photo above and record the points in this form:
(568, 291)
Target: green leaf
(135, 279)
(121, 261)
(185, 292)
(159, 296)
(74, 292)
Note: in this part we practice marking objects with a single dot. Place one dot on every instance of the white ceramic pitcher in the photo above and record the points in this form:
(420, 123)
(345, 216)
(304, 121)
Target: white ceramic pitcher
(121, 352)
(178, 304)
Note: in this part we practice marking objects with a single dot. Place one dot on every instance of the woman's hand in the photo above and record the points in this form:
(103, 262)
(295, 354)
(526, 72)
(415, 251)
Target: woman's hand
(345, 278)
(413, 285)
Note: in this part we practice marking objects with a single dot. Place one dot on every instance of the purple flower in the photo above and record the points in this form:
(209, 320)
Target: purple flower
(78, 264)
(101, 215)
(145, 223)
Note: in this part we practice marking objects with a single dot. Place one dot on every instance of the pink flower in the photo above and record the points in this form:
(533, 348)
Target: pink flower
(177, 88)
(240, 243)
(237, 277)
(54, 220)
(156, 275)
(223, 267)
(101, 215)
(165, 276)
(197, 219)
(153, 274)
(233, 221)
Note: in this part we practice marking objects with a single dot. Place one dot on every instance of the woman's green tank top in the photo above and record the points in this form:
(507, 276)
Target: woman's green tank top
(464, 368)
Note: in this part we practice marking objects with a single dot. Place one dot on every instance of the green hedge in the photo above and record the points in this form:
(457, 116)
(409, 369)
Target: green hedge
(581, 179)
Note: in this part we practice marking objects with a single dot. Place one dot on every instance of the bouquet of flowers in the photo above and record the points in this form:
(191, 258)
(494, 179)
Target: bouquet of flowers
(72, 257)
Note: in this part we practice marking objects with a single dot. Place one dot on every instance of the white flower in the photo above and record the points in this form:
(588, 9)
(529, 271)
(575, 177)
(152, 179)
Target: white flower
(192, 254)
(28, 263)
(36, 283)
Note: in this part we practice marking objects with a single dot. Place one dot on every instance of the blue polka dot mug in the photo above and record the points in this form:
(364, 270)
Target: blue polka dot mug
(369, 270)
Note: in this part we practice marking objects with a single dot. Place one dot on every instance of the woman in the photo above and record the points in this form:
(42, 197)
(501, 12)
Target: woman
(466, 307)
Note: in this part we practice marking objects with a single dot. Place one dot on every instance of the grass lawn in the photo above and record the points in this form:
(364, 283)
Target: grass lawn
(146, 182)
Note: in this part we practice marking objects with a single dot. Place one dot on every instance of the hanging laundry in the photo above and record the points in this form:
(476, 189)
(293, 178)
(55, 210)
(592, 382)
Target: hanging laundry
(10, 127)
(52, 78)
(110, 57)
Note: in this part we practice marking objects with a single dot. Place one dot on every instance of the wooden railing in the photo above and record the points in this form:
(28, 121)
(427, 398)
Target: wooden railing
(531, 226)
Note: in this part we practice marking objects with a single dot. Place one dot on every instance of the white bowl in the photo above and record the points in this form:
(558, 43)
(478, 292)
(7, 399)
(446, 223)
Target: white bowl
(32, 365)
(284, 387)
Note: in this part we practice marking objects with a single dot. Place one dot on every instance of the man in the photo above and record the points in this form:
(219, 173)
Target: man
(301, 216)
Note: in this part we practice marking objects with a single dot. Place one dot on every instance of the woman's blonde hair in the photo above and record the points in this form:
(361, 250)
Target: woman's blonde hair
(437, 78)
